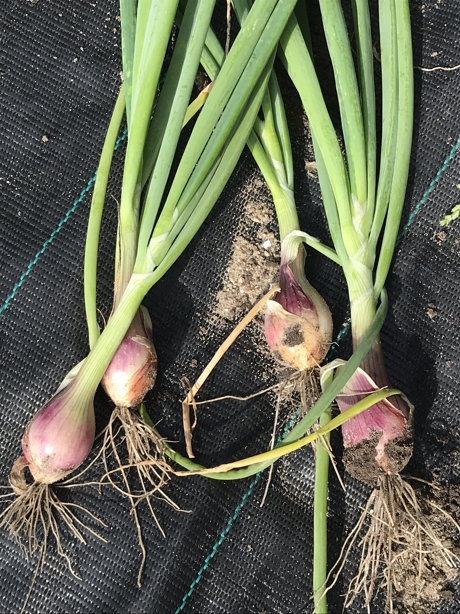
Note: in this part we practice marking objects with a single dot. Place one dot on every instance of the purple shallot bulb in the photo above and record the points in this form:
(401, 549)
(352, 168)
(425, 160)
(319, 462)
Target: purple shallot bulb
(298, 323)
(379, 440)
(57, 439)
(132, 371)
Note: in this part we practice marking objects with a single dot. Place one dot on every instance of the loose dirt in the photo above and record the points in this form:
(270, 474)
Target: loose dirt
(254, 261)
(421, 592)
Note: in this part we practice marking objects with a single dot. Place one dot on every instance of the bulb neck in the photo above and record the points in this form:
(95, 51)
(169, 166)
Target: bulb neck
(99, 358)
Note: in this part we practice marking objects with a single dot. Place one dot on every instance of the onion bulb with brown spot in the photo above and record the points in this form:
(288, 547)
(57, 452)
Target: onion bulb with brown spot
(298, 323)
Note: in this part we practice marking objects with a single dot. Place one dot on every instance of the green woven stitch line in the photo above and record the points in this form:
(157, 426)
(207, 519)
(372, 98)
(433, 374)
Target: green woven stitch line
(230, 521)
(222, 536)
(59, 227)
(429, 189)
(345, 327)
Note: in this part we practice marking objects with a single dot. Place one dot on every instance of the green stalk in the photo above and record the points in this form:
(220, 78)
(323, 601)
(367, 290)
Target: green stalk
(97, 206)
(320, 520)
(282, 130)
(389, 67)
(97, 361)
(256, 464)
(270, 146)
(95, 364)
(320, 513)
(142, 16)
(223, 108)
(267, 132)
(371, 207)
(227, 162)
(269, 141)
(349, 101)
(302, 19)
(221, 94)
(213, 54)
(405, 123)
(204, 198)
(287, 448)
(153, 26)
(330, 206)
(303, 237)
(195, 166)
(320, 503)
(128, 29)
(95, 217)
(170, 112)
(283, 196)
(365, 58)
(397, 75)
(154, 22)
(299, 65)
(356, 243)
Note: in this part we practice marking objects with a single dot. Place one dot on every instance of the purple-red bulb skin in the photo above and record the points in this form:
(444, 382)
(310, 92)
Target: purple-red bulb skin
(60, 436)
(293, 327)
(379, 440)
(133, 369)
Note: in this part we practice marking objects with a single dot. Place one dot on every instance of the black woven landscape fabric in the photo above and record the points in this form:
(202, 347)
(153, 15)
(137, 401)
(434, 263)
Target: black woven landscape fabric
(223, 553)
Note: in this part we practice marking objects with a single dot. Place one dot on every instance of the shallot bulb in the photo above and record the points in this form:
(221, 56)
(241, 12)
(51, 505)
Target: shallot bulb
(58, 438)
(132, 371)
(298, 323)
(379, 440)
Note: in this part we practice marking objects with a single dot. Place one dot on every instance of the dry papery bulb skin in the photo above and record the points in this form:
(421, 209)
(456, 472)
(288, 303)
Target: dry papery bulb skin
(133, 369)
(57, 439)
(298, 323)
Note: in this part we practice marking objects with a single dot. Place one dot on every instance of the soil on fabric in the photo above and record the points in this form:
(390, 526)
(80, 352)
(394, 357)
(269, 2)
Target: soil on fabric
(423, 593)
(254, 261)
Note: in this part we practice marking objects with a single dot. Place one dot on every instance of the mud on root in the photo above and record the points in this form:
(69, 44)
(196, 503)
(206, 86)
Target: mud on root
(401, 554)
